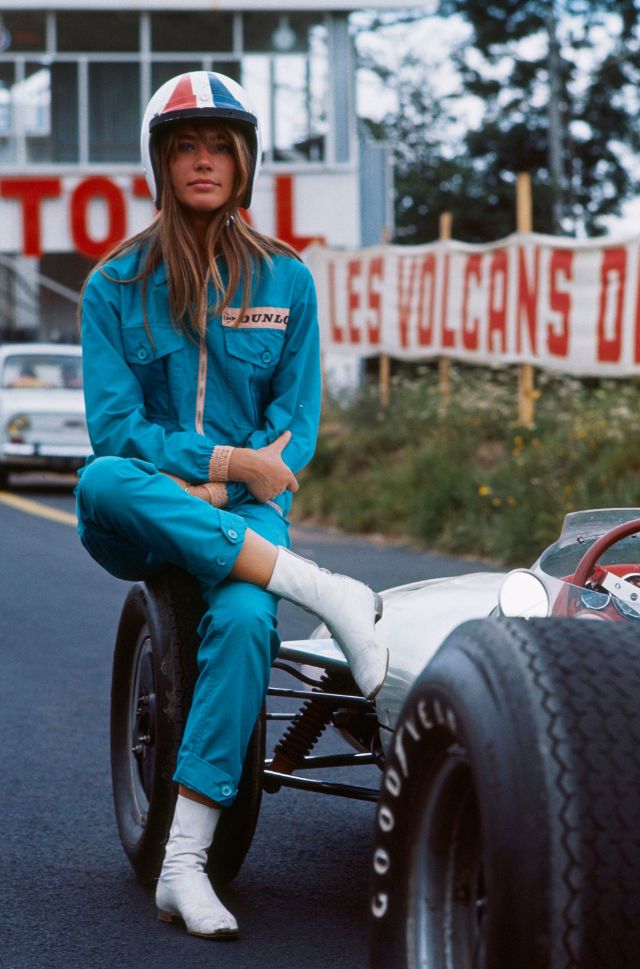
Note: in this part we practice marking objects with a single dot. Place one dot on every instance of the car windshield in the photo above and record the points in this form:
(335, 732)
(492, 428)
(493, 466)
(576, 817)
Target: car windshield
(580, 531)
(49, 371)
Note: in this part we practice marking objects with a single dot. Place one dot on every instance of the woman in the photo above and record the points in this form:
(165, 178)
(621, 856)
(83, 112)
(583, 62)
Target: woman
(201, 373)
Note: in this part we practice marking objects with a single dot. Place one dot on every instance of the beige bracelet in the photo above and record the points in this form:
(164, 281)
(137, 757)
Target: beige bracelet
(217, 493)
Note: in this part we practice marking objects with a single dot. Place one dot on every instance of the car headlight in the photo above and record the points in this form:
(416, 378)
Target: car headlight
(17, 426)
(523, 594)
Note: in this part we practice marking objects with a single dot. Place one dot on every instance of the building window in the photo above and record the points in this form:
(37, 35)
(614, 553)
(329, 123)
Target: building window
(290, 88)
(283, 33)
(192, 31)
(23, 32)
(114, 111)
(7, 141)
(72, 83)
(51, 109)
(98, 30)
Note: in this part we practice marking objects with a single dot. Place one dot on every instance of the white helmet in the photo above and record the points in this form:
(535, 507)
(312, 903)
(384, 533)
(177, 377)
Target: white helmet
(198, 94)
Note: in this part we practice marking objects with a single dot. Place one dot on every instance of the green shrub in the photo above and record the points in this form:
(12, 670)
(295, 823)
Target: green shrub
(468, 479)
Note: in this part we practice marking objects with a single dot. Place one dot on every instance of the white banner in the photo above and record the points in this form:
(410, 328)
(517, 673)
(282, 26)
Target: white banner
(558, 304)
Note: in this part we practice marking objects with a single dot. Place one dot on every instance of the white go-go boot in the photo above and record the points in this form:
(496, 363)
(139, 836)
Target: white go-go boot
(349, 608)
(184, 892)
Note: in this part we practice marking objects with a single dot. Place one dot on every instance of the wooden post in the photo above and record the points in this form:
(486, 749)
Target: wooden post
(384, 376)
(524, 204)
(384, 361)
(526, 375)
(444, 364)
(446, 222)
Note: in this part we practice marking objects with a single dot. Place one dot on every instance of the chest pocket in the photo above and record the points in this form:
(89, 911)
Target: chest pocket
(251, 357)
(156, 365)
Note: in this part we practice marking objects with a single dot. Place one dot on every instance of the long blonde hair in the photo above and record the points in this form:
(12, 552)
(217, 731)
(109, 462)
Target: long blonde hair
(170, 239)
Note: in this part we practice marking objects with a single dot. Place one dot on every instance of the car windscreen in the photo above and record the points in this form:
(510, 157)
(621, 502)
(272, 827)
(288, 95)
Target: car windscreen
(47, 371)
(580, 530)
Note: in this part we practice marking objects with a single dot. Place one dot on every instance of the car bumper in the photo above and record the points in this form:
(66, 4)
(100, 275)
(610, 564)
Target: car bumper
(54, 456)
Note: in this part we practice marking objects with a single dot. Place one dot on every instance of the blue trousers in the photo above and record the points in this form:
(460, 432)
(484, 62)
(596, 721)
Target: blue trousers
(133, 520)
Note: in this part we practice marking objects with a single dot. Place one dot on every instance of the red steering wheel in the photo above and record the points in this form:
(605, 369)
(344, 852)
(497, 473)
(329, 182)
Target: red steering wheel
(590, 558)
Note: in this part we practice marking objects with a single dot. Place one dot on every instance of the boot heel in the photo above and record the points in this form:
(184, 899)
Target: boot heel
(379, 605)
(168, 917)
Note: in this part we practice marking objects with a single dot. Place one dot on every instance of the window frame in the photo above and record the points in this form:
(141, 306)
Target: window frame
(340, 151)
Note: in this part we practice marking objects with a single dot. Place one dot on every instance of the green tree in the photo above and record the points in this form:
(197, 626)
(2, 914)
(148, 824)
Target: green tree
(430, 175)
(557, 81)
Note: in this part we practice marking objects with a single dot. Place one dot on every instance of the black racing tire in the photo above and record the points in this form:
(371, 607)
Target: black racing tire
(508, 828)
(154, 672)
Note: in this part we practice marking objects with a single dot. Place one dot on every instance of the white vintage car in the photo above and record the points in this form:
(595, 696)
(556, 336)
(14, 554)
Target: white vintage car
(508, 735)
(42, 418)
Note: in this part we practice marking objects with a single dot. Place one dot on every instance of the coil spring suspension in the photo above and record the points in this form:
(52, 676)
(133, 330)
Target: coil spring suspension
(301, 736)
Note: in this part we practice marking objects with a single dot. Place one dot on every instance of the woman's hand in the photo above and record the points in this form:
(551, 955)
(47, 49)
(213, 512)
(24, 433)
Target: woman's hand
(263, 471)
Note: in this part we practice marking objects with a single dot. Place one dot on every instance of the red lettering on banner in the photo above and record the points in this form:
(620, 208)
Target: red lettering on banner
(426, 313)
(472, 270)
(527, 312)
(374, 299)
(613, 273)
(82, 197)
(559, 301)
(30, 192)
(337, 332)
(354, 269)
(285, 220)
(448, 335)
(405, 296)
(498, 299)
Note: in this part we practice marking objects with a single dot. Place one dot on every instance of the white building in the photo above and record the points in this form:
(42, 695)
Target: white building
(74, 78)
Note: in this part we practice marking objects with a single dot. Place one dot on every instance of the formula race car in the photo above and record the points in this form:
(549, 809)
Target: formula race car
(507, 733)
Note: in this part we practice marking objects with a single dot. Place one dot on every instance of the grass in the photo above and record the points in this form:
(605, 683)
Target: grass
(469, 479)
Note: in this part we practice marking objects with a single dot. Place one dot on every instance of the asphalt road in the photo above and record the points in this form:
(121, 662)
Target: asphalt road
(68, 898)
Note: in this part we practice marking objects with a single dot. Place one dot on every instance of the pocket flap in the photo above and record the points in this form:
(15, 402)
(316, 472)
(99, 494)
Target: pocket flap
(259, 347)
(139, 349)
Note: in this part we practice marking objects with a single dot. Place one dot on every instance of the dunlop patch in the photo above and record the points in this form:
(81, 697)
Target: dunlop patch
(257, 318)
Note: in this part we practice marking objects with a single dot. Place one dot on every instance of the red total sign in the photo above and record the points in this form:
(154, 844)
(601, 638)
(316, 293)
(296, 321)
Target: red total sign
(33, 194)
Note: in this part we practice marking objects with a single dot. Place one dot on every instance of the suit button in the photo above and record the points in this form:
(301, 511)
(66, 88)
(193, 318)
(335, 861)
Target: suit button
(266, 357)
(221, 560)
(226, 790)
(232, 533)
(142, 353)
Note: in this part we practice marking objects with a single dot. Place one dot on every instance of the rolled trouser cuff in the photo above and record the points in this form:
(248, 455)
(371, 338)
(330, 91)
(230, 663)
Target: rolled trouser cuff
(197, 775)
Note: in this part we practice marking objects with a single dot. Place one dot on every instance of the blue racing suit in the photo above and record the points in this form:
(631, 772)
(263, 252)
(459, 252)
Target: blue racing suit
(163, 399)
